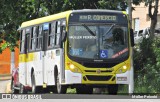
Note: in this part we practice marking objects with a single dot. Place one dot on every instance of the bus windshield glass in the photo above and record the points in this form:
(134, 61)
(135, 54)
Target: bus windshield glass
(98, 41)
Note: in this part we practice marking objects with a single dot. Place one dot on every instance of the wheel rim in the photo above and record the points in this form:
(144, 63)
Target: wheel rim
(58, 85)
(21, 88)
(33, 84)
(33, 88)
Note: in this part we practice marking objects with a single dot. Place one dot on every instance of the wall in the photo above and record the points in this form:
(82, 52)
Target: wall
(141, 13)
(5, 59)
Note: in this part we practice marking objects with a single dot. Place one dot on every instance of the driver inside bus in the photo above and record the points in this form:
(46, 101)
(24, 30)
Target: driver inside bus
(118, 36)
(118, 39)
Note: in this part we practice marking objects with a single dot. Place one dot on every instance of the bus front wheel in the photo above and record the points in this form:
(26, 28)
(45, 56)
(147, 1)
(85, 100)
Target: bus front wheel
(61, 89)
(35, 89)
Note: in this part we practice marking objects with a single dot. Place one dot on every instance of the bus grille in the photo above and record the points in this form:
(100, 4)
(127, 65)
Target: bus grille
(98, 78)
(101, 71)
(99, 65)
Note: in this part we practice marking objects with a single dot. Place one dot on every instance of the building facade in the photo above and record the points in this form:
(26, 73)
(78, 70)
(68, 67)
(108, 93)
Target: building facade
(141, 19)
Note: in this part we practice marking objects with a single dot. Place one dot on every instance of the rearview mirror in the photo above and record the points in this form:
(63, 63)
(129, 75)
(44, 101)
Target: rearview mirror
(132, 37)
(64, 34)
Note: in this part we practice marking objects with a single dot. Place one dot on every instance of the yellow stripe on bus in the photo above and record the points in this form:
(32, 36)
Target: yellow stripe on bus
(26, 57)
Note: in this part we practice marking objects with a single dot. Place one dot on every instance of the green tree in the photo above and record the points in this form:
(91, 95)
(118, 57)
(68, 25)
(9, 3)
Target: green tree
(12, 14)
(153, 6)
(55, 6)
(113, 4)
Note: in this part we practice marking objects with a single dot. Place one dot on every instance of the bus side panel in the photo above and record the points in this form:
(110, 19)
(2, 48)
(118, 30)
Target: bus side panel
(22, 73)
(57, 61)
(36, 65)
(50, 65)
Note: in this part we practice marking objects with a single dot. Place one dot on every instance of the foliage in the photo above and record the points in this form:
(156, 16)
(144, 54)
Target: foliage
(147, 64)
(12, 14)
(117, 5)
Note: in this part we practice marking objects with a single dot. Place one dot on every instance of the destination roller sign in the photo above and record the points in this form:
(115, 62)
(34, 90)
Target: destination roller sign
(97, 18)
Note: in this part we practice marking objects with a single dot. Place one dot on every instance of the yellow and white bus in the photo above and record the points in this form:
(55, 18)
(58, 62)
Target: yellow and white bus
(81, 49)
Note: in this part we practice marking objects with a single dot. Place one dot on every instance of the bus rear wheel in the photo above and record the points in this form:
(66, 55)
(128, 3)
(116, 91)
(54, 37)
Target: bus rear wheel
(61, 89)
(35, 89)
(22, 89)
(113, 89)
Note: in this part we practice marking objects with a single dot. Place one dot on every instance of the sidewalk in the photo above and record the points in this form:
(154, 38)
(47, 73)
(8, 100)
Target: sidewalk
(8, 88)
(5, 77)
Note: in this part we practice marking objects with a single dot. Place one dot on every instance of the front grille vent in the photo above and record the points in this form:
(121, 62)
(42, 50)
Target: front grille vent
(98, 78)
(98, 65)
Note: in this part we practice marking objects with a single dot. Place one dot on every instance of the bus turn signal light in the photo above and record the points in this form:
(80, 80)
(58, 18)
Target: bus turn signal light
(123, 69)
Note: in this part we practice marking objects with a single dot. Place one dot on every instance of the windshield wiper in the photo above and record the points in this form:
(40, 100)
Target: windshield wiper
(89, 30)
(109, 29)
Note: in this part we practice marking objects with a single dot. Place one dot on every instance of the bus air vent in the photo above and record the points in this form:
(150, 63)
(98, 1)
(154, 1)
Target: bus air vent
(99, 65)
(98, 78)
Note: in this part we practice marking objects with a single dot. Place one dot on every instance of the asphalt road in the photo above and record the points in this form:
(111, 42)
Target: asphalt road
(3, 85)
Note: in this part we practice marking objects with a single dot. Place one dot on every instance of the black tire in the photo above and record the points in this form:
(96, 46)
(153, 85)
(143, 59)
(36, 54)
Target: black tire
(54, 88)
(113, 89)
(61, 89)
(84, 90)
(35, 89)
(22, 89)
(13, 90)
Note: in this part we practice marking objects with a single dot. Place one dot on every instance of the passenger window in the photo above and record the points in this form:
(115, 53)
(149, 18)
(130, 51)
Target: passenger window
(57, 32)
(22, 41)
(33, 38)
(39, 38)
(51, 36)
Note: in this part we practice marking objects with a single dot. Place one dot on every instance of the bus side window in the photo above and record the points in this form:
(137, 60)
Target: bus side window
(33, 38)
(39, 38)
(51, 36)
(22, 41)
(26, 39)
(57, 34)
(45, 36)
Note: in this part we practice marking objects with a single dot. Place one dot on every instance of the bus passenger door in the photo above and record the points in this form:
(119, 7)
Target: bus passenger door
(22, 58)
(62, 46)
(26, 59)
(44, 58)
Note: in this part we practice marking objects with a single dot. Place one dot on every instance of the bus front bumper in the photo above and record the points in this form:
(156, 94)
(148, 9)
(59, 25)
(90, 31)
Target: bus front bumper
(79, 78)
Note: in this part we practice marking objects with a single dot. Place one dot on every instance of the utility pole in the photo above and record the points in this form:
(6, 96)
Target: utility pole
(131, 83)
(130, 11)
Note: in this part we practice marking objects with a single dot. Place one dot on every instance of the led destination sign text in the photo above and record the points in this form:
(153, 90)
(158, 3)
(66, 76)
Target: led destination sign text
(97, 18)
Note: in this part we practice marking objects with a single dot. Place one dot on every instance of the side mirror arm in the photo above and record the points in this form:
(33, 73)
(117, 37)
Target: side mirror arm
(132, 37)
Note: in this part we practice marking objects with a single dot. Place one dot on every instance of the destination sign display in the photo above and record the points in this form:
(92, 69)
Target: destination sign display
(97, 18)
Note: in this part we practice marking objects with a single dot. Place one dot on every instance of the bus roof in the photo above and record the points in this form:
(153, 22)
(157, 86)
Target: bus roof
(100, 10)
(63, 15)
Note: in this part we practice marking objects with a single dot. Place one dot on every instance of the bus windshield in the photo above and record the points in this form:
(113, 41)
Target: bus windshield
(105, 41)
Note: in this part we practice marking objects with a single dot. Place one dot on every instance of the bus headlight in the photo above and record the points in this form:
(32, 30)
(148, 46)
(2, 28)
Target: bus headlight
(73, 68)
(123, 69)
